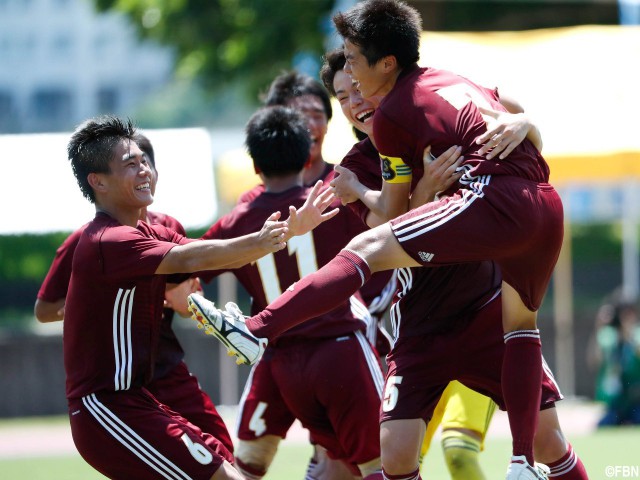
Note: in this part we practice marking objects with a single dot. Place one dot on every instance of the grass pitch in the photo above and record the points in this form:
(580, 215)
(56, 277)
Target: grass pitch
(606, 453)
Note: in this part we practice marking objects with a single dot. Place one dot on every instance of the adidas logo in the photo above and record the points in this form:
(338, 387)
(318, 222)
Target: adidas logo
(426, 257)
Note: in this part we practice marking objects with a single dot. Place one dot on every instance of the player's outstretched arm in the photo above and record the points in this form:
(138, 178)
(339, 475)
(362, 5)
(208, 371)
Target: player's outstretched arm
(312, 213)
(228, 253)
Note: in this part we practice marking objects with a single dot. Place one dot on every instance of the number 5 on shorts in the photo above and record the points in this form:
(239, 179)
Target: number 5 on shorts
(391, 393)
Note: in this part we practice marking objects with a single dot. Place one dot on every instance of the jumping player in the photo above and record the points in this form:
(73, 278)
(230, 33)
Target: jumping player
(464, 414)
(504, 210)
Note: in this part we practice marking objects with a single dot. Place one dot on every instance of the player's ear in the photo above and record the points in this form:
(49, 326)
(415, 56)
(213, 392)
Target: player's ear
(389, 63)
(96, 181)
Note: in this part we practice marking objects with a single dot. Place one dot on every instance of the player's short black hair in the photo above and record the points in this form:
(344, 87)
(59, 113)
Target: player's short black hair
(381, 28)
(333, 62)
(278, 140)
(293, 84)
(145, 145)
(91, 148)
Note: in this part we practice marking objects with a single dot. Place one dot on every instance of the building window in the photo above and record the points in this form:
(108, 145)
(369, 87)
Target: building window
(51, 105)
(7, 114)
(107, 100)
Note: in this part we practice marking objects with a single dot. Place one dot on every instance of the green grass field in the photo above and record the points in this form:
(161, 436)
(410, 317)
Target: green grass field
(603, 448)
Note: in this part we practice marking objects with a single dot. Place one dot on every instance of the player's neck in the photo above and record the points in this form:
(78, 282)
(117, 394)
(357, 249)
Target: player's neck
(282, 183)
(314, 171)
(125, 216)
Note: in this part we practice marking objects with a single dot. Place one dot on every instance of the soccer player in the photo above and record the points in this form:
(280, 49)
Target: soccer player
(465, 415)
(306, 95)
(303, 374)
(172, 383)
(113, 310)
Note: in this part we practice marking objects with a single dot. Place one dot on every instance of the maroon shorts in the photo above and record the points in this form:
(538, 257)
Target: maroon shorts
(515, 222)
(129, 434)
(332, 386)
(180, 391)
(421, 367)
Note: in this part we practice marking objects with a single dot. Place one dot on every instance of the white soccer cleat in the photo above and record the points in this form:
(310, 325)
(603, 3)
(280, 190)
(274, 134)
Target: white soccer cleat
(519, 469)
(228, 327)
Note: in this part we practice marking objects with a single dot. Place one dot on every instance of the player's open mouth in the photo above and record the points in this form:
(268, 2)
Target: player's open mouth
(365, 115)
(144, 186)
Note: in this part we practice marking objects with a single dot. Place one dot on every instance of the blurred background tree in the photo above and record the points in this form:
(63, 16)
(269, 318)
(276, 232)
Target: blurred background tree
(226, 44)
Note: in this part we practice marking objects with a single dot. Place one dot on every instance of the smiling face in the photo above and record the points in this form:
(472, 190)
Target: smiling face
(131, 181)
(373, 81)
(357, 110)
(313, 110)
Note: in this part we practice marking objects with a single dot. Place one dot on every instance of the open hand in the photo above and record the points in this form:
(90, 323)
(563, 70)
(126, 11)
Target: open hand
(310, 215)
(505, 131)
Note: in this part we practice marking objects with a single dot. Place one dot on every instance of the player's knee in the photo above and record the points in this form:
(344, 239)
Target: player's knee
(549, 443)
(549, 446)
(370, 467)
(256, 455)
(397, 459)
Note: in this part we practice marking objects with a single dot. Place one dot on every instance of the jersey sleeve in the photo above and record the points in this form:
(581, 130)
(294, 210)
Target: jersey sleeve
(215, 232)
(127, 252)
(56, 283)
(395, 146)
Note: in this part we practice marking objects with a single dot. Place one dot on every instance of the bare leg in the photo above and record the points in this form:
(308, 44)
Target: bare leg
(400, 442)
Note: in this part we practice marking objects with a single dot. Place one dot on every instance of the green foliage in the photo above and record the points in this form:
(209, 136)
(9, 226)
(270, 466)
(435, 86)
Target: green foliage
(28, 256)
(223, 42)
(596, 243)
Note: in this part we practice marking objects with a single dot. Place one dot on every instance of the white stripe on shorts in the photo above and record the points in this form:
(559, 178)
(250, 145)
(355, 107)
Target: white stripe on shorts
(132, 441)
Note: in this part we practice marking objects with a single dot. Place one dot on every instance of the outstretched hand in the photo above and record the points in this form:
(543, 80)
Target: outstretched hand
(310, 215)
(505, 131)
(273, 235)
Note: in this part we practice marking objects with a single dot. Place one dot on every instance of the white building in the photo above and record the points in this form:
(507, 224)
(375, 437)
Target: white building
(62, 62)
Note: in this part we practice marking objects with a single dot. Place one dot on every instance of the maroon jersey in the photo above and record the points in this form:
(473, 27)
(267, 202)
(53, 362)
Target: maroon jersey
(56, 285)
(435, 107)
(113, 308)
(428, 300)
(268, 277)
(326, 176)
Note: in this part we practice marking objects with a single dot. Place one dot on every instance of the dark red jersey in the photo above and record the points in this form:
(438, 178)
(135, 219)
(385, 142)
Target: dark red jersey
(435, 107)
(56, 285)
(268, 277)
(428, 299)
(326, 177)
(113, 309)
